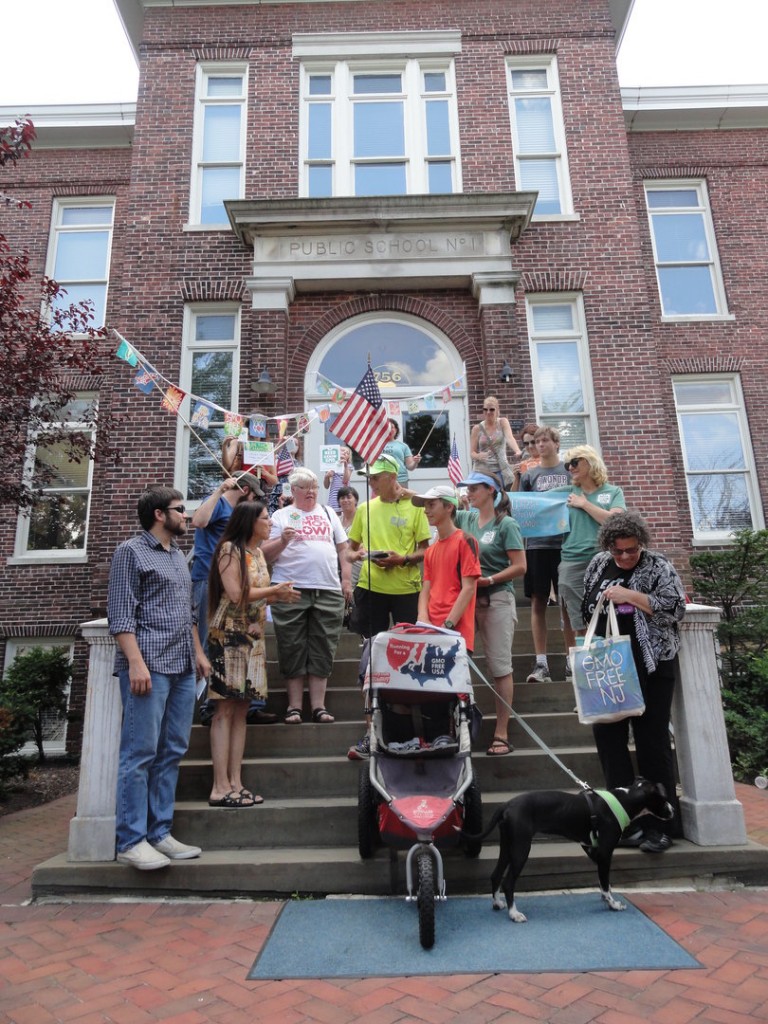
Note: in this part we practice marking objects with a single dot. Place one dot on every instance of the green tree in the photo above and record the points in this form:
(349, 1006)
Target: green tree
(736, 580)
(36, 685)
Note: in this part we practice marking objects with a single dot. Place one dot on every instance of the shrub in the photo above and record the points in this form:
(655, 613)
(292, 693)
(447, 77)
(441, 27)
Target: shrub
(12, 737)
(36, 683)
(736, 579)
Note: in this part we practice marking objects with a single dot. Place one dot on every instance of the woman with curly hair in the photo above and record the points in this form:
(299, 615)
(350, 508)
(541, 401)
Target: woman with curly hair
(238, 593)
(591, 501)
(650, 601)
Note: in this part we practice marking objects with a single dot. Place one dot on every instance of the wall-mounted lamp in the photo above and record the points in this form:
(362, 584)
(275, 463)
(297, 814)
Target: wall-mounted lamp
(264, 385)
(507, 374)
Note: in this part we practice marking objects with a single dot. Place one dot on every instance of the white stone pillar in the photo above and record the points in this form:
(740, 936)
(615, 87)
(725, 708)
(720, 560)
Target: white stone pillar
(92, 831)
(711, 814)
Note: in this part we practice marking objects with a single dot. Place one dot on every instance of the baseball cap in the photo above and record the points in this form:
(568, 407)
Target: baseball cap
(443, 491)
(480, 478)
(384, 464)
(256, 485)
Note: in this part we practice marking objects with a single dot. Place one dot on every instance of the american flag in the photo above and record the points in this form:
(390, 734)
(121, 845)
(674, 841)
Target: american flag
(284, 466)
(362, 422)
(455, 471)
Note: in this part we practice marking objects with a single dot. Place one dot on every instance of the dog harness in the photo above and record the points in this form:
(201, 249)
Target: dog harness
(614, 807)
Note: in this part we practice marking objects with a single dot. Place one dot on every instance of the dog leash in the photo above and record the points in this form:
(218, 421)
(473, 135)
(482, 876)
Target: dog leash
(534, 736)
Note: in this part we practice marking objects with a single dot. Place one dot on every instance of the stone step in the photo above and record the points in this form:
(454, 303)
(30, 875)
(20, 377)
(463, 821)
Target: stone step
(554, 728)
(323, 778)
(334, 870)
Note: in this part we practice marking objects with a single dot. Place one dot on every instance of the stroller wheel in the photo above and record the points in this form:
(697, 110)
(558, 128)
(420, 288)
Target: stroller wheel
(473, 819)
(425, 897)
(367, 831)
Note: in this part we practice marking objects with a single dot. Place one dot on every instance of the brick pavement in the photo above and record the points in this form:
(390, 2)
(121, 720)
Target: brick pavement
(186, 962)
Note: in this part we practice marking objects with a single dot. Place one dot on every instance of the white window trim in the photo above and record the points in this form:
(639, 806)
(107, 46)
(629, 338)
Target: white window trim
(69, 556)
(705, 210)
(577, 335)
(415, 158)
(57, 230)
(549, 63)
(12, 647)
(702, 539)
(206, 69)
(190, 345)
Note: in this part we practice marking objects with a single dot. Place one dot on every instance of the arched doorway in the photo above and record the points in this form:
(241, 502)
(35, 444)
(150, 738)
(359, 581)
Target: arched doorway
(413, 363)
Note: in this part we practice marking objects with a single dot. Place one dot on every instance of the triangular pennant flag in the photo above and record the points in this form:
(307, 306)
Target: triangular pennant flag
(201, 415)
(413, 406)
(282, 427)
(126, 353)
(144, 380)
(393, 408)
(446, 393)
(173, 398)
(233, 424)
(324, 412)
(429, 401)
(257, 427)
(339, 396)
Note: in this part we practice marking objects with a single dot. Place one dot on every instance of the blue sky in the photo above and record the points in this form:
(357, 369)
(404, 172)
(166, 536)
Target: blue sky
(78, 52)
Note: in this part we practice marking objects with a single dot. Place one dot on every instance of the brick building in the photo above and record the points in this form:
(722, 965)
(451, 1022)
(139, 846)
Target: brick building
(461, 191)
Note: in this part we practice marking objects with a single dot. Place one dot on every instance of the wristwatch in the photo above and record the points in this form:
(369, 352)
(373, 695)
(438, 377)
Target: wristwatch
(448, 624)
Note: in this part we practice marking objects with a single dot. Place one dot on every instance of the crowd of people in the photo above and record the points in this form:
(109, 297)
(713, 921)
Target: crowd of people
(448, 557)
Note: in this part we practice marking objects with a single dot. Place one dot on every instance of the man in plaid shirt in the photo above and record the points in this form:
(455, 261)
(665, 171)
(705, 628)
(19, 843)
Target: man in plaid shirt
(149, 607)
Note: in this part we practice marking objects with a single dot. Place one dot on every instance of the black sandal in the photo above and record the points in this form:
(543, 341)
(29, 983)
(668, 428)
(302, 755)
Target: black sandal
(293, 716)
(321, 716)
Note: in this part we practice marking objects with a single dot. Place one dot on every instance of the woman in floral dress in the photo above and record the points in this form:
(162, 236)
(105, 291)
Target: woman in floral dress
(238, 594)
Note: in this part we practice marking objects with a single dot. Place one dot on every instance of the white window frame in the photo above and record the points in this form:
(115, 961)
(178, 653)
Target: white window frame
(205, 71)
(704, 211)
(578, 336)
(560, 155)
(749, 472)
(410, 54)
(58, 230)
(189, 346)
(16, 645)
(69, 555)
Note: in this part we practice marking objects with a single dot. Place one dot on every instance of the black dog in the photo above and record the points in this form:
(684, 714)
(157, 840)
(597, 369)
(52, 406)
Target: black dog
(585, 817)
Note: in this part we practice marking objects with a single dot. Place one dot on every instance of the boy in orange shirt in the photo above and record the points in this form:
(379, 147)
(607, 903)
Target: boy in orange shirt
(451, 567)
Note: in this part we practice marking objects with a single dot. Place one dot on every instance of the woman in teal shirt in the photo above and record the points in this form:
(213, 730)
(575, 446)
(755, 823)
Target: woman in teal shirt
(502, 559)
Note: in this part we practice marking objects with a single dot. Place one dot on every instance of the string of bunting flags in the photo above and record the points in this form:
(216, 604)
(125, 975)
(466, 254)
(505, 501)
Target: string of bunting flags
(147, 378)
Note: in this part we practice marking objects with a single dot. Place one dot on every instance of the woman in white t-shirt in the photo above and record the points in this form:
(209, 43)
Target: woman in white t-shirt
(306, 547)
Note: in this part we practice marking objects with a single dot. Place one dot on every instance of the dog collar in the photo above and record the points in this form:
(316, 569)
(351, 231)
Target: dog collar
(615, 807)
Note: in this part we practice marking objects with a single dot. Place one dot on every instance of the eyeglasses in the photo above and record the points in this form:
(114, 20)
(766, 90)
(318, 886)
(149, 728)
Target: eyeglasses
(574, 463)
(181, 509)
(625, 552)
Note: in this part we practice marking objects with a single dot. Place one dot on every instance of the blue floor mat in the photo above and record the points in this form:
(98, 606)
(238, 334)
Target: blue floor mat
(353, 938)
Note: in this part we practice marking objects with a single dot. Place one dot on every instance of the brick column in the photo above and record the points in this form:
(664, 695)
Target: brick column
(711, 814)
(92, 830)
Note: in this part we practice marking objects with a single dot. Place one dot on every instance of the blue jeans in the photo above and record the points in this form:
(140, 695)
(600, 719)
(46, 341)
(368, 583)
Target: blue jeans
(155, 737)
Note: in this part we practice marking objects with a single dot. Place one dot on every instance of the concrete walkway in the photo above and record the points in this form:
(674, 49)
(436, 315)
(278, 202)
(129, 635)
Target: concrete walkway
(186, 962)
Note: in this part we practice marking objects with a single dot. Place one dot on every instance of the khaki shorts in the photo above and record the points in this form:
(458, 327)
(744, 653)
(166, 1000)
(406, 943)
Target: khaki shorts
(570, 589)
(308, 632)
(496, 624)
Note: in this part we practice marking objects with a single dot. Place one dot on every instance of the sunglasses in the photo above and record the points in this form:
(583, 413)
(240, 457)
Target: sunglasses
(489, 408)
(573, 463)
(625, 552)
(181, 509)
(529, 443)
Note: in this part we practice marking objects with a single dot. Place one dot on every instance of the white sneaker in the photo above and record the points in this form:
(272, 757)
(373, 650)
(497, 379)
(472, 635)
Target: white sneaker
(539, 675)
(143, 857)
(172, 848)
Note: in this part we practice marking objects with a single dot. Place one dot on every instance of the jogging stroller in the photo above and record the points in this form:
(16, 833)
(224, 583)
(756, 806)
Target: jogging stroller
(418, 790)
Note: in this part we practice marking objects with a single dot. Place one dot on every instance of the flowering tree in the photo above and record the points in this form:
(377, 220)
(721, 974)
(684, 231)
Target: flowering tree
(44, 346)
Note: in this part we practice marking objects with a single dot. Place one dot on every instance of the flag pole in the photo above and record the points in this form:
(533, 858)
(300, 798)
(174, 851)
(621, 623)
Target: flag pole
(430, 432)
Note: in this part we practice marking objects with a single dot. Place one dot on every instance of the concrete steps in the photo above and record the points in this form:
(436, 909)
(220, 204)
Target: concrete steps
(303, 839)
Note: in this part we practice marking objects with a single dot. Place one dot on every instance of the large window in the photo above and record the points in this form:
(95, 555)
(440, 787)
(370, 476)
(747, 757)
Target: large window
(379, 129)
(719, 468)
(218, 171)
(79, 252)
(209, 371)
(538, 138)
(56, 527)
(684, 249)
(562, 378)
